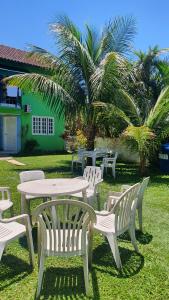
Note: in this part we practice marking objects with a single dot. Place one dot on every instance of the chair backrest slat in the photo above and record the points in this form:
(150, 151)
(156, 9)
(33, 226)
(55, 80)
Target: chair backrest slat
(53, 225)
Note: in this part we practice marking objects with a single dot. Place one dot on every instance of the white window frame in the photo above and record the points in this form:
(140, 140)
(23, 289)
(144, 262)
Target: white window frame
(48, 124)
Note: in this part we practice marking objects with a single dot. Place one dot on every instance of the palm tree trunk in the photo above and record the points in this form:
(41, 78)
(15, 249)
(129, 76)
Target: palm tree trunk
(142, 164)
(91, 134)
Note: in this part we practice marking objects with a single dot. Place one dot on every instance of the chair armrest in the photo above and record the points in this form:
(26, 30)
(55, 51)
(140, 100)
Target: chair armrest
(24, 218)
(115, 194)
(96, 188)
(125, 187)
(103, 213)
(100, 181)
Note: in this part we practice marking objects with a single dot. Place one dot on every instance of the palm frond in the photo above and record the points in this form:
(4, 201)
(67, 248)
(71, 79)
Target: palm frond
(160, 111)
(52, 93)
(92, 43)
(108, 75)
(139, 137)
(118, 35)
(127, 103)
(69, 40)
(110, 111)
(43, 56)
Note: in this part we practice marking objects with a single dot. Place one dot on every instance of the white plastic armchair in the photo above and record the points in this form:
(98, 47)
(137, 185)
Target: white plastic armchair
(30, 176)
(94, 176)
(78, 158)
(64, 229)
(5, 200)
(118, 220)
(114, 196)
(110, 162)
(13, 228)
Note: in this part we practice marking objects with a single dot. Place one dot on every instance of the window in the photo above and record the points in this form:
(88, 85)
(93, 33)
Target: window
(42, 125)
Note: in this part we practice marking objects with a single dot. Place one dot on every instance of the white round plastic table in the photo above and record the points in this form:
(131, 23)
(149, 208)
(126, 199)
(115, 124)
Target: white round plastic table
(51, 188)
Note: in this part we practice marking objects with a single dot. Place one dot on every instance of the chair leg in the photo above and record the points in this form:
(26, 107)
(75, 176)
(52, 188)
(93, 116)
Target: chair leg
(91, 201)
(2, 247)
(114, 172)
(90, 246)
(98, 200)
(30, 244)
(115, 250)
(140, 217)
(133, 237)
(40, 274)
(86, 273)
(12, 211)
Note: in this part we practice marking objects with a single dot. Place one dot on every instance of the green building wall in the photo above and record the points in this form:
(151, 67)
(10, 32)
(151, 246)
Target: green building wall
(40, 108)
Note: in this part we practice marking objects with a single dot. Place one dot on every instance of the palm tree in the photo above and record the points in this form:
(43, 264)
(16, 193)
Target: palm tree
(149, 74)
(143, 117)
(69, 79)
(143, 132)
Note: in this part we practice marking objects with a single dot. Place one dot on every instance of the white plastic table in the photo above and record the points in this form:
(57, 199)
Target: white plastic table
(94, 154)
(51, 188)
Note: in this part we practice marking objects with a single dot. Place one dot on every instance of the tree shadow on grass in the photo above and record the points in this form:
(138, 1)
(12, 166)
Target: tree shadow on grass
(103, 261)
(12, 270)
(23, 240)
(125, 173)
(66, 283)
(142, 237)
(63, 167)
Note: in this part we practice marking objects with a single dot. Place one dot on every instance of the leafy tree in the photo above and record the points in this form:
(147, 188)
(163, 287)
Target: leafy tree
(69, 79)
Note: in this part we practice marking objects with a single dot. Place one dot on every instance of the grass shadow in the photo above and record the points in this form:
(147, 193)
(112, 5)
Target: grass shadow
(13, 268)
(104, 262)
(143, 238)
(23, 240)
(65, 167)
(66, 283)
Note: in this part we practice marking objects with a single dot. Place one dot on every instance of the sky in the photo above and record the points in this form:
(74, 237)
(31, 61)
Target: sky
(24, 22)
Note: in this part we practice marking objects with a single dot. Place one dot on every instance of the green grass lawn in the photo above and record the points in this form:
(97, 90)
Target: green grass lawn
(144, 275)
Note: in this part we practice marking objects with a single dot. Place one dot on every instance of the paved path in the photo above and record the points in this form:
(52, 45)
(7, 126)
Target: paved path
(12, 161)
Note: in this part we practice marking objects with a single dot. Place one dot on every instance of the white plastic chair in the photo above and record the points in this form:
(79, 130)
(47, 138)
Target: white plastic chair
(30, 176)
(10, 230)
(118, 220)
(94, 176)
(78, 158)
(114, 196)
(5, 201)
(110, 162)
(64, 229)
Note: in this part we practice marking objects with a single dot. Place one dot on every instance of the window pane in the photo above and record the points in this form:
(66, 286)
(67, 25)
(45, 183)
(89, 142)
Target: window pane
(42, 125)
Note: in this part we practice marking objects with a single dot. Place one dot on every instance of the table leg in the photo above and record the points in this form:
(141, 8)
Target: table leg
(53, 211)
(93, 160)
